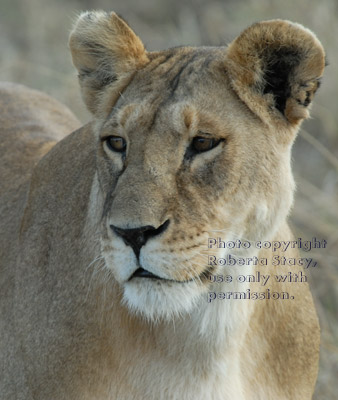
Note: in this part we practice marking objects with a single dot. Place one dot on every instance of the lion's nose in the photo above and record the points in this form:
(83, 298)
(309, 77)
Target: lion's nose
(138, 237)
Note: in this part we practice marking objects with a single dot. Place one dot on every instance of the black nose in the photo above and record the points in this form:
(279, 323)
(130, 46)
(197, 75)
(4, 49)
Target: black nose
(137, 237)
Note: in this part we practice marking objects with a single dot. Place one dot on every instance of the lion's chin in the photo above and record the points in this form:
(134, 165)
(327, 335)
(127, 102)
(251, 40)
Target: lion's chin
(161, 299)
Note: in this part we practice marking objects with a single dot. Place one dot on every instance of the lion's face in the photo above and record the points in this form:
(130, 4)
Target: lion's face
(181, 155)
(194, 161)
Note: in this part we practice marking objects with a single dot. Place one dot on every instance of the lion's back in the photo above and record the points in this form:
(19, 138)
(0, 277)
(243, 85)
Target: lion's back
(31, 122)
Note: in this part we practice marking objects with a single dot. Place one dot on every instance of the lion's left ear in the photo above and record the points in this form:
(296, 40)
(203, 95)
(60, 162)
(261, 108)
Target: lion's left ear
(275, 67)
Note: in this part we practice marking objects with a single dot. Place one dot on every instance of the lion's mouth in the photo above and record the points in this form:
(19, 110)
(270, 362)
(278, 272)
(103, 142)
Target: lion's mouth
(143, 273)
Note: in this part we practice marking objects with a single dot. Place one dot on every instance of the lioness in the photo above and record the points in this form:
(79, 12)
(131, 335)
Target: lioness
(107, 291)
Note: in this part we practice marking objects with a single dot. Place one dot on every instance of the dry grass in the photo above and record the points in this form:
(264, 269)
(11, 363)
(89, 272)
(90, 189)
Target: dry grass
(33, 40)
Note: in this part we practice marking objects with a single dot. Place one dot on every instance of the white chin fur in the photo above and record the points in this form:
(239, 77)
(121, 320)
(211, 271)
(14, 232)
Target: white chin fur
(154, 299)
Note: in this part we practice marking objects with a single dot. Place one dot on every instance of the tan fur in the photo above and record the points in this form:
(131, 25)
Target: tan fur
(75, 324)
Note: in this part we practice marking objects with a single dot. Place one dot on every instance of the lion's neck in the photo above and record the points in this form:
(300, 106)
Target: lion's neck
(193, 354)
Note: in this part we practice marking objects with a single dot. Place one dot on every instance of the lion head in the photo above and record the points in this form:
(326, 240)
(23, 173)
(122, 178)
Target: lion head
(190, 141)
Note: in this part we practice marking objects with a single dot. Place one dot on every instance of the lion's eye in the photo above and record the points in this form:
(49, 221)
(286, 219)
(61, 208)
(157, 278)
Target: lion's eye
(201, 144)
(116, 143)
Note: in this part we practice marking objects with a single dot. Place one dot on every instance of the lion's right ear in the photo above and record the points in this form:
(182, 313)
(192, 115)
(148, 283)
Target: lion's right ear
(106, 52)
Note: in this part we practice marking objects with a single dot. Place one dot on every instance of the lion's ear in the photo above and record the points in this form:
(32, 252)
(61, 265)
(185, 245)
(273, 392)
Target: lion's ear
(275, 68)
(105, 51)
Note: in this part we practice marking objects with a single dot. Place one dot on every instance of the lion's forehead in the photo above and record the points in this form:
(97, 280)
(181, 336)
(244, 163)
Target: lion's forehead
(150, 129)
(170, 71)
(183, 75)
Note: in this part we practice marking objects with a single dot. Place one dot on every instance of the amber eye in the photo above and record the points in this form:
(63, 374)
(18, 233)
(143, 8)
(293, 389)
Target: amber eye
(201, 144)
(116, 143)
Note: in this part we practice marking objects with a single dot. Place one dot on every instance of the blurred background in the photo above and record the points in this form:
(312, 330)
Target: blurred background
(33, 43)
